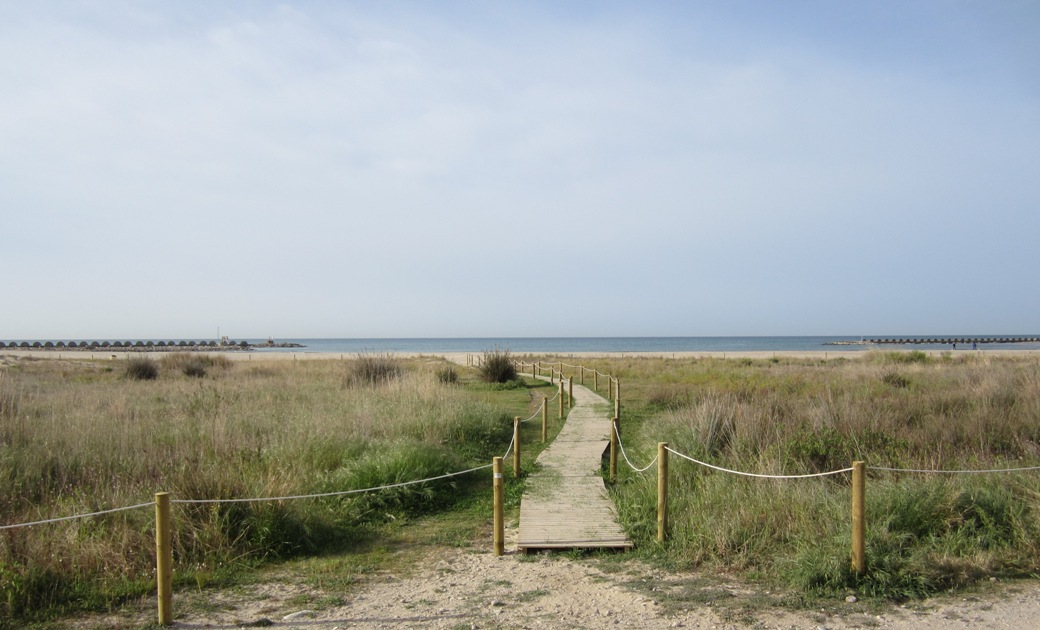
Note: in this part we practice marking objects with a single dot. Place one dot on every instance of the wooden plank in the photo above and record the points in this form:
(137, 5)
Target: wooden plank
(566, 505)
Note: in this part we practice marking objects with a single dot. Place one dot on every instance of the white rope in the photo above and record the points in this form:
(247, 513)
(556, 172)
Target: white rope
(509, 448)
(333, 494)
(747, 474)
(621, 445)
(69, 518)
(954, 472)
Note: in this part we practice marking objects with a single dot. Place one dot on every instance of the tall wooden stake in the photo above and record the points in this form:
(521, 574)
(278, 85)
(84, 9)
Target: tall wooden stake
(859, 518)
(545, 419)
(164, 558)
(662, 491)
(561, 400)
(497, 484)
(614, 428)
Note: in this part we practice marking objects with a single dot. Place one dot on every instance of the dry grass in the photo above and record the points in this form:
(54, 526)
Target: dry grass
(76, 437)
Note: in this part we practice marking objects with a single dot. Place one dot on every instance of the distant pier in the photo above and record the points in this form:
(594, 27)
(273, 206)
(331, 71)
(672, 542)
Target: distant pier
(147, 346)
(906, 341)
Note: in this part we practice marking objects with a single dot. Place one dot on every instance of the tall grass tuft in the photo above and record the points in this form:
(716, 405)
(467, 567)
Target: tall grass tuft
(497, 366)
(373, 369)
(141, 369)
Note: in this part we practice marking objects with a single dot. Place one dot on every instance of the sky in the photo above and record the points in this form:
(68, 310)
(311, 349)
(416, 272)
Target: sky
(527, 169)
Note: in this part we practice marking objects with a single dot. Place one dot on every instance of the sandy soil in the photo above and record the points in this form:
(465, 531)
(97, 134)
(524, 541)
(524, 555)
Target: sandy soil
(471, 588)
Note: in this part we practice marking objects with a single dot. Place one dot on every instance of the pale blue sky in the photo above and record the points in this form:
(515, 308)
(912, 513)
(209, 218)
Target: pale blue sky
(397, 169)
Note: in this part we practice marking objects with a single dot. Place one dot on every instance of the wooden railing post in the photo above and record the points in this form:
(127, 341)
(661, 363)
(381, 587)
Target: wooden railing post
(560, 396)
(497, 484)
(859, 518)
(617, 398)
(516, 447)
(615, 428)
(570, 392)
(545, 419)
(595, 381)
(662, 491)
(164, 558)
(583, 375)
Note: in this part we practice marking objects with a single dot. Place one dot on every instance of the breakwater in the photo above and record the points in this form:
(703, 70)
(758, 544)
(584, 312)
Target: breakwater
(148, 346)
(904, 341)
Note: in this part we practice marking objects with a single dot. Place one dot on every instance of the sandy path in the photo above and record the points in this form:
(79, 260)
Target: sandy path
(471, 588)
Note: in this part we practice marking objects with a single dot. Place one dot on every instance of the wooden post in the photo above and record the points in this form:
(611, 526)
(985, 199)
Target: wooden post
(545, 419)
(614, 429)
(516, 447)
(570, 392)
(595, 381)
(662, 491)
(617, 398)
(583, 375)
(552, 375)
(560, 396)
(497, 484)
(859, 518)
(163, 558)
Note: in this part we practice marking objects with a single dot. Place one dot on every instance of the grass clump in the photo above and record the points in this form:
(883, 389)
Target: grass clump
(141, 369)
(497, 366)
(448, 375)
(373, 369)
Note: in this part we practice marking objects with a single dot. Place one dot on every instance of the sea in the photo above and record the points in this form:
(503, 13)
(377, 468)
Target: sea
(565, 345)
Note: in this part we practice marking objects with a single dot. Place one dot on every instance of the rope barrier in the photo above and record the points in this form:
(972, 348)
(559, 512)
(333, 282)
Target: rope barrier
(69, 518)
(747, 474)
(621, 446)
(334, 494)
(954, 472)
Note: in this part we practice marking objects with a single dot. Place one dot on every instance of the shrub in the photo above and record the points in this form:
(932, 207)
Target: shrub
(497, 366)
(142, 369)
(448, 375)
(374, 369)
(194, 368)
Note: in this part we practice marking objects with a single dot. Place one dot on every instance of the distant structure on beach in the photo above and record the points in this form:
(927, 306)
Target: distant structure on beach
(944, 341)
(225, 344)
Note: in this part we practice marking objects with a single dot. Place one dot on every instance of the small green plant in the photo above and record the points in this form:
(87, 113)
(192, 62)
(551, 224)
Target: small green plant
(142, 370)
(497, 366)
(448, 375)
(896, 380)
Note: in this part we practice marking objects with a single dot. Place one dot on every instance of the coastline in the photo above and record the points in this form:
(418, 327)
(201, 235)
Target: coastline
(460, 357)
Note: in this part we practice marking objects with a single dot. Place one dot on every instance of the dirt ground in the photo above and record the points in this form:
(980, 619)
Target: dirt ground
(463, 588)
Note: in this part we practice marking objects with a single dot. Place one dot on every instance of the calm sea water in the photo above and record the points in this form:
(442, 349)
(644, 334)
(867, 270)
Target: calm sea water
(563, 345)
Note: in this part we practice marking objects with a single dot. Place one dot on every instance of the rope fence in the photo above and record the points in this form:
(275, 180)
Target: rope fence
(556, 376)
(163, 501)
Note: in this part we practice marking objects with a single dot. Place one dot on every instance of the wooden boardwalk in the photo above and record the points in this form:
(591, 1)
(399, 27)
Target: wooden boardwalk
(565, 505)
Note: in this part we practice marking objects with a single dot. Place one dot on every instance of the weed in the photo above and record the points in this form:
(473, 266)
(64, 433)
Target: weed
(497, 366)
(141, 370)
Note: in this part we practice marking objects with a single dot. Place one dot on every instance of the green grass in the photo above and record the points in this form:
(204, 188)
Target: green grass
(926, 534)
(76, 437)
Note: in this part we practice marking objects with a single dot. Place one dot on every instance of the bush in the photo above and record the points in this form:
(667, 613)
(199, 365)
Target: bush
(194, 369)
(142, 369)
(497, 366)
(374, 369)
(448, 375)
